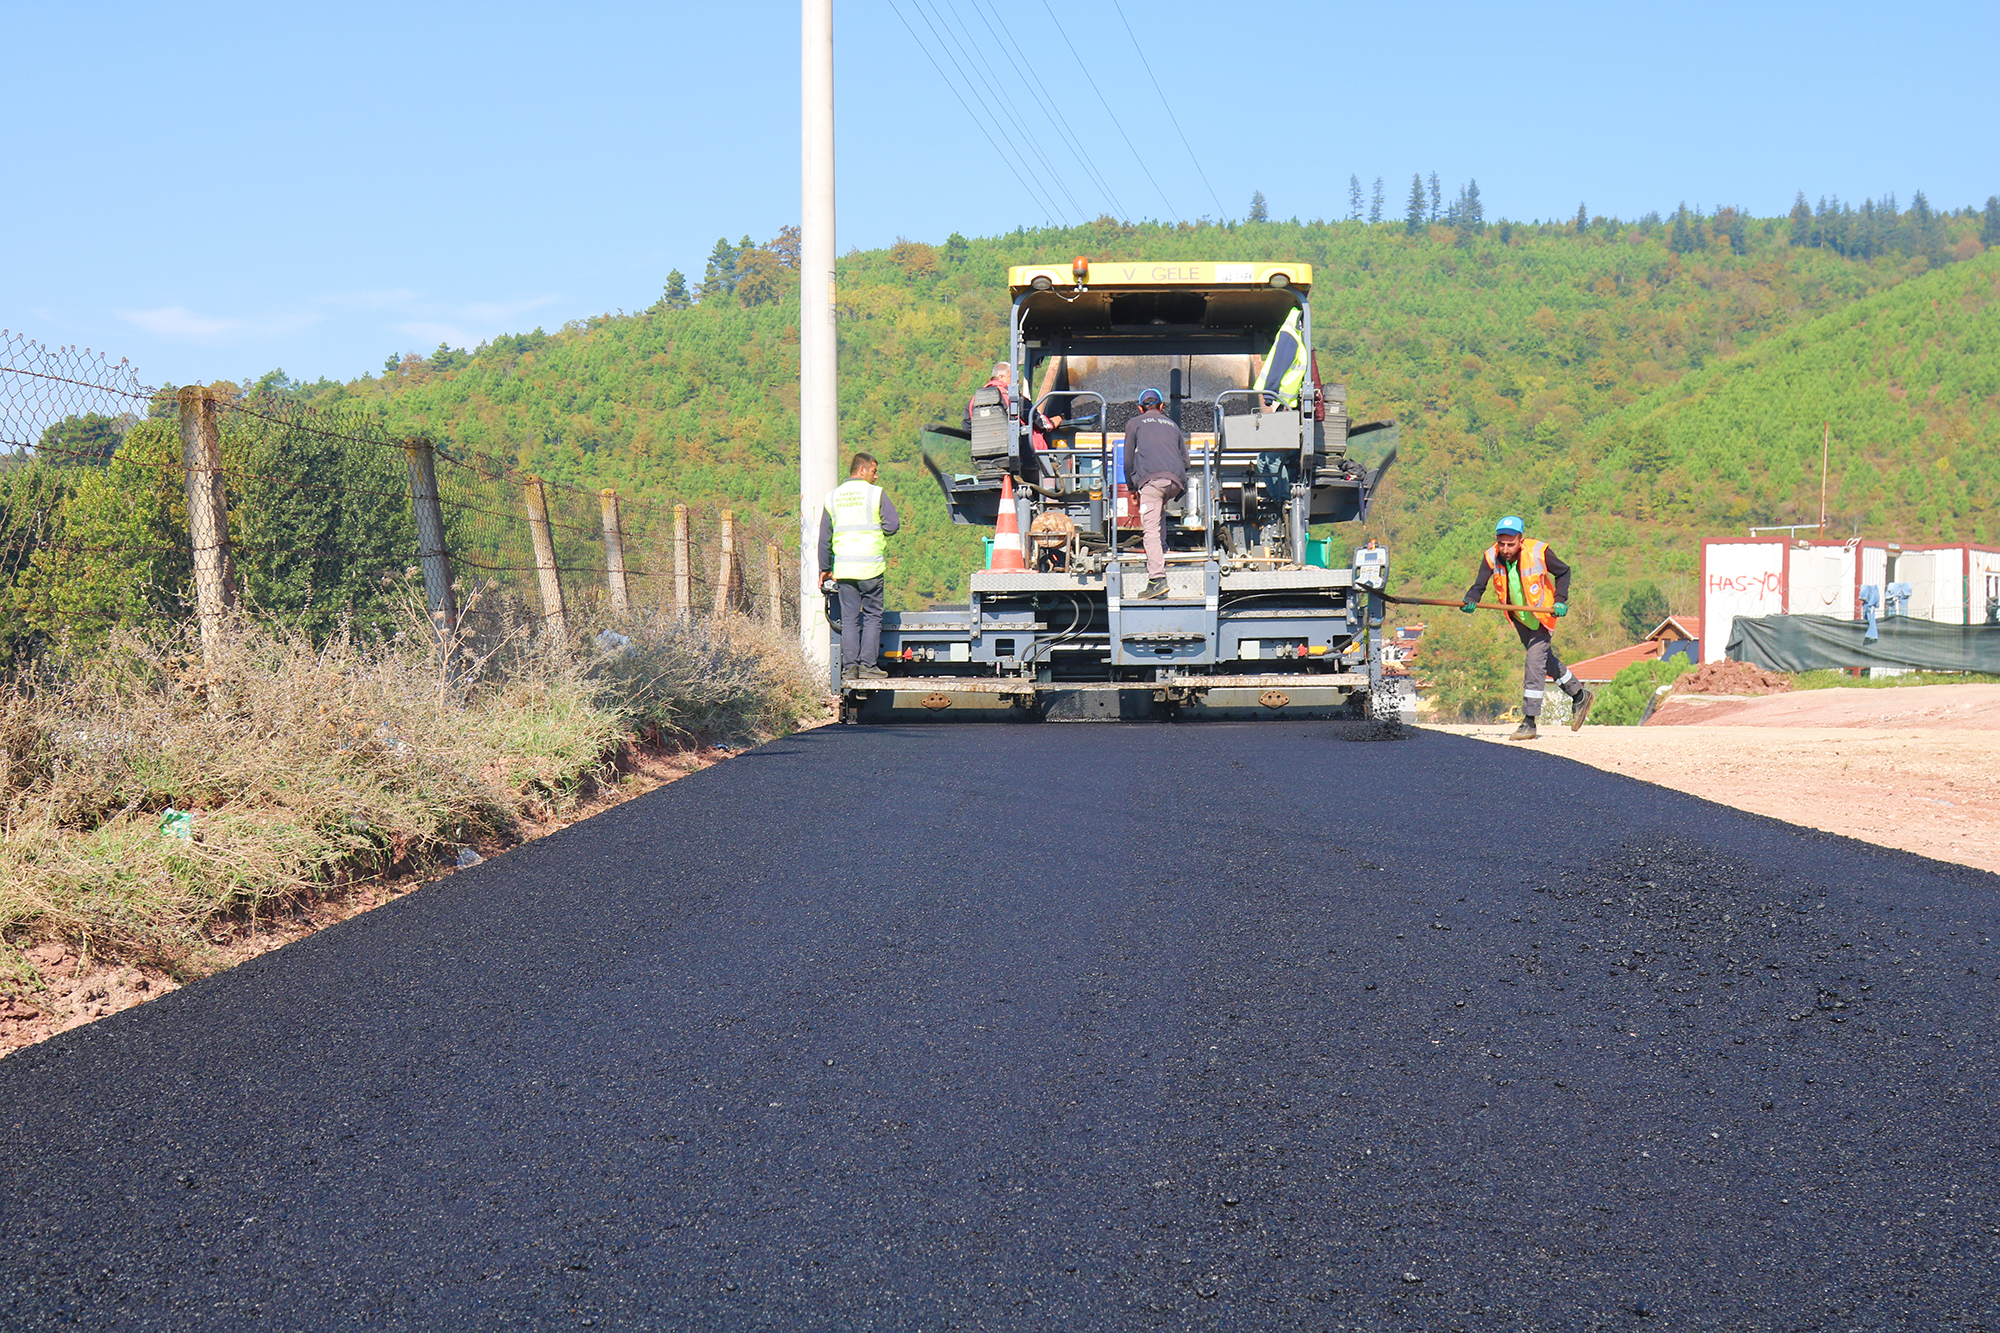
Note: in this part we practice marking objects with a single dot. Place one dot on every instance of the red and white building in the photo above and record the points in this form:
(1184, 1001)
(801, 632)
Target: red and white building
(1952, 584)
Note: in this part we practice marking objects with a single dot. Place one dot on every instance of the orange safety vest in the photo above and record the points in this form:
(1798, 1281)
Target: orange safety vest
(1537, 588)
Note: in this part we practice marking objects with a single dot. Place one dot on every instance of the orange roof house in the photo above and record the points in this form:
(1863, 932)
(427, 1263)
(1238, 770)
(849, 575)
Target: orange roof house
(1671, 631)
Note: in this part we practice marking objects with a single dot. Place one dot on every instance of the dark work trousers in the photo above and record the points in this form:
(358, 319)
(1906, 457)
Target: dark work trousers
(860, 621)
(1542, 665)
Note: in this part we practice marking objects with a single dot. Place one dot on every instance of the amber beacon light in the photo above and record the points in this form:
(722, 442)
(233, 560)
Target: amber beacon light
(1079, 268)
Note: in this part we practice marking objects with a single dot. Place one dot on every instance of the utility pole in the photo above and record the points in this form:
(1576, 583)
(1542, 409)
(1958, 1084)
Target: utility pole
(1825, 443)
(819, 403)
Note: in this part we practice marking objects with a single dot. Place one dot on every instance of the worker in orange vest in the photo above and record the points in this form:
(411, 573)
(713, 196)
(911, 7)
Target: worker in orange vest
(1519, 571)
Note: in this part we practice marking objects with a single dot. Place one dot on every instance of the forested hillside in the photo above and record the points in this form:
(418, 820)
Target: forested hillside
(1629, 386)
(1908, 381)
(1538, 368)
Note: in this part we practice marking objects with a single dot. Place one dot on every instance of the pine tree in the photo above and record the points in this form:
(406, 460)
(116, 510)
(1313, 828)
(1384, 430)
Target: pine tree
(675, 297)
(1929, 230)
(1354, 199)
(1739, 232)
(1802, 217)
(1834, 224)
(1258, 211)
(1414, 218)
(1582, 220)
(1989, 231)
(1867, 231)
(956, 248)
(1437, 198)
(1375, 201)
(1683, 239)
(1466, 215)
(720, 279)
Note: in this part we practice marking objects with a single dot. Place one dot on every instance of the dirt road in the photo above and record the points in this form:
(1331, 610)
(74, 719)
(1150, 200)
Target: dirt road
(1917, 768)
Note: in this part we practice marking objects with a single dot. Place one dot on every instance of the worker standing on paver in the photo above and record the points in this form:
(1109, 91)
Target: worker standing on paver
(1522, 572)
(1282, 374)
(854, 532)
(1156, 468)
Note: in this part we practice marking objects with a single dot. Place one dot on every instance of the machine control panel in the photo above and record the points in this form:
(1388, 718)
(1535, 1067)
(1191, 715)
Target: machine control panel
(1371, 567)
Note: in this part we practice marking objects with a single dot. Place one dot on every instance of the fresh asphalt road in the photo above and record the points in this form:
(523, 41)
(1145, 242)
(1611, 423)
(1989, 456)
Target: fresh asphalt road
(1062, 1028)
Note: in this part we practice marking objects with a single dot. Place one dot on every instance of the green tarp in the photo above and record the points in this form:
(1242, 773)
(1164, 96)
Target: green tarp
(1818, 643)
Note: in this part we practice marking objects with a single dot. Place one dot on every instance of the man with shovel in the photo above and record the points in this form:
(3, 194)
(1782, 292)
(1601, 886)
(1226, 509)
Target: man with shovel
(1524, 573)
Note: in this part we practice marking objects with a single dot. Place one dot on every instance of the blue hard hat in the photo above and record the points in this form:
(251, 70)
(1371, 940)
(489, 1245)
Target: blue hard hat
(1512, 523)
(1154, 394)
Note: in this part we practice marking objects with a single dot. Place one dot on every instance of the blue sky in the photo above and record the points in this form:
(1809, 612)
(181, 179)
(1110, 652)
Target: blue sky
(216, 190)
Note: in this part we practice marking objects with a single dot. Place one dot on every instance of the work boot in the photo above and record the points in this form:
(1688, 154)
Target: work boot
(1154, 590)
(869, 671)
(1580, 708)
(1526, 731)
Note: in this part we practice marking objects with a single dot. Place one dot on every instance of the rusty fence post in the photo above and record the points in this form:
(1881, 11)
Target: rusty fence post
(426, 508)
(775, 579)
(725, 582)
(683, 575)
(553, 618)
(614, 552)
(208, 516)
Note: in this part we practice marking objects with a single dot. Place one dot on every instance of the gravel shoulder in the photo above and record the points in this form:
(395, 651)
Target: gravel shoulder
(1916, 769)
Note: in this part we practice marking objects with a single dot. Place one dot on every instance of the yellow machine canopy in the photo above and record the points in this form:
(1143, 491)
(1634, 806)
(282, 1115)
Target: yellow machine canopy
(1197, 307)
(1183, 273)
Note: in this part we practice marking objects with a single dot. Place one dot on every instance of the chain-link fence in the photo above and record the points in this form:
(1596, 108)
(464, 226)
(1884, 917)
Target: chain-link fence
(124, 504)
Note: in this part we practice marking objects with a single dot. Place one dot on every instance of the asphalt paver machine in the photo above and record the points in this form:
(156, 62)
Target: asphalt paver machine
(1256, 622)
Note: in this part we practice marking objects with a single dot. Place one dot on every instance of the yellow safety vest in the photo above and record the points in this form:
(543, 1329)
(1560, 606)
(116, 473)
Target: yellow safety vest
(860, 547)
(1294, 378)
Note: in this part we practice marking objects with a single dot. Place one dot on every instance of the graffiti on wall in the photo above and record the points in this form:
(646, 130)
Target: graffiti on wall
(1754, 585)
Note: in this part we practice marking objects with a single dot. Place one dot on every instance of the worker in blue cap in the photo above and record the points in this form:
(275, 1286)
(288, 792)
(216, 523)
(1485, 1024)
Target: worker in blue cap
(1156, 468)
(1520, 571)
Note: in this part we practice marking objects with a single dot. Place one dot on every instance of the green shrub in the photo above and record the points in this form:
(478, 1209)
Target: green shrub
(1623, 702)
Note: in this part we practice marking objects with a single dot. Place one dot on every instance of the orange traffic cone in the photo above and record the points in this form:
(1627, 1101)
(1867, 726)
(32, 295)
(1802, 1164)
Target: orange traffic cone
(1007, 531)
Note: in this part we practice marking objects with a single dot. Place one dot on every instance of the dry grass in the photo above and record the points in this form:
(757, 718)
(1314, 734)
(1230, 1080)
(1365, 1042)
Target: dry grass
(309, 767)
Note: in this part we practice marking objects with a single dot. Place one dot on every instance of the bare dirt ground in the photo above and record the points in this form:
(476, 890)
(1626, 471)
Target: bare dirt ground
(75, 989)
(1915, 768)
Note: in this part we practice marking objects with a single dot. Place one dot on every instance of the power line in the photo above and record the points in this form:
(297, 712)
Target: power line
(1052, 211)
(1219, 210)
(1057, 121)
(963, 61)
(1107, 109)
(1025, 180)
(967, 48)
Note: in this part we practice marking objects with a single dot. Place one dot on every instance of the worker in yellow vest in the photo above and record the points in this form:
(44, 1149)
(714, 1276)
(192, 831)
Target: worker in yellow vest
(854, 532)
(1282, 374)
(1519, 571)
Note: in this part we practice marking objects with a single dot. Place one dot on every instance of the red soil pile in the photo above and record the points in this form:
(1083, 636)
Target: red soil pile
(1726, 677)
